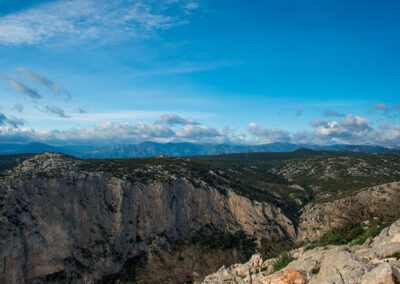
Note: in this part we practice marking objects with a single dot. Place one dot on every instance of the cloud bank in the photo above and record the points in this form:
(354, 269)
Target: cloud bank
(173, 128)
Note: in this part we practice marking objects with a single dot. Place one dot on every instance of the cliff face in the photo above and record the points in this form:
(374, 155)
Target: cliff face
(59, 220)
(375, 202)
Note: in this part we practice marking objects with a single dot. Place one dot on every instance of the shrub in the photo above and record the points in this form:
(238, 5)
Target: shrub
(338, 236)
(282, 261)
(315, 270)
(349, 233)
(372, 231)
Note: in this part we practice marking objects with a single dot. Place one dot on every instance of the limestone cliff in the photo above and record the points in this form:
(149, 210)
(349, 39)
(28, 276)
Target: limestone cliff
(59, 220)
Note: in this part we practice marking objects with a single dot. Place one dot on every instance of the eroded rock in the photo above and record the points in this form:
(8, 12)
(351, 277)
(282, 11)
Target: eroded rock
(366, 264)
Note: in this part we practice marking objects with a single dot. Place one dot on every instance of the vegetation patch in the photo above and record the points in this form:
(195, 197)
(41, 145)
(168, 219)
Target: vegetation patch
(349, 233)
(226, 241)
(282, 261)
(338, 236)
(370, 232)
(395, 255)
(273, 246)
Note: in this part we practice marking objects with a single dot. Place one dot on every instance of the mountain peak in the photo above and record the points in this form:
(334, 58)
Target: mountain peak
(47, 163)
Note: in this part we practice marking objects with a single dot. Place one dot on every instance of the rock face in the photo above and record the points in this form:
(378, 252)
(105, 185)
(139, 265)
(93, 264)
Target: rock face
(58, 221)
(384, 273)
(370, 263)
(316, 219)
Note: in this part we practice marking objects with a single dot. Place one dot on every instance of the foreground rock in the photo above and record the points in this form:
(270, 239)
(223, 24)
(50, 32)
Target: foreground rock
(375, 262)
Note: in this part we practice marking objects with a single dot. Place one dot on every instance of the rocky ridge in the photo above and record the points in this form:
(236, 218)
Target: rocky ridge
(377, 261)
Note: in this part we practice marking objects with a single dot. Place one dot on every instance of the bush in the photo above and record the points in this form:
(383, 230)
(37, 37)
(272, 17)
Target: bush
(282, 261)
(349, 233)
(372, 231)
(338, 236)
(316, 270)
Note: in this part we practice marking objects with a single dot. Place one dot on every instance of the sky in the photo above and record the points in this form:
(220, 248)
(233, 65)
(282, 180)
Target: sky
(103, 72)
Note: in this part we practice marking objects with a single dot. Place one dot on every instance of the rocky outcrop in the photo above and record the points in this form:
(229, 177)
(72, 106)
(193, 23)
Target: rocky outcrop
(59, 221)
(376, 261)
(384, 273)
(368, 203)
(285, 277)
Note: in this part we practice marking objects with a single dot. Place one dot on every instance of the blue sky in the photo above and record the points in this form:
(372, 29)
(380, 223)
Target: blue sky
(125, 71)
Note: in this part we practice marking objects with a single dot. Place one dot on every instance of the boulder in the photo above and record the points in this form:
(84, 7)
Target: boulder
(285, 277)
(339, 266)
(382, 274)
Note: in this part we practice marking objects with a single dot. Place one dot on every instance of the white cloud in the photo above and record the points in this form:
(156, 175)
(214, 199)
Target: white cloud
(352, 129)
(80, 20)
(268, 135)
(196, 131)
(174, 119)
(115, 133)
(105, 133)
(317, 123)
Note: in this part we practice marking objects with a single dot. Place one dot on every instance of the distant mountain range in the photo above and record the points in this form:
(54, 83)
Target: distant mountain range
(149, 149)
